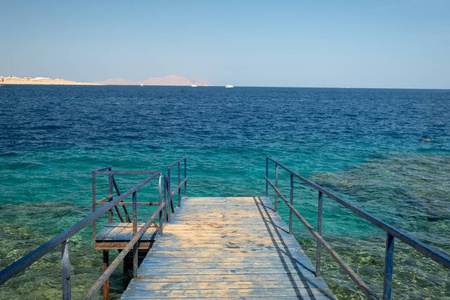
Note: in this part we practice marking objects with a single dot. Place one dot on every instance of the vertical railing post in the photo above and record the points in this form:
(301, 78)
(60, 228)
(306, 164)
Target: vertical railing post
(136, 246)
(168, 212)
(276, 185)
(168, 189)
(179, 181)
(291, 201)
(105, 266)
(94, 229)
(389, 266)
(110, 191)
(65, 267)
(319, 231)
(185, 175)
(267, 175)
(160, 202)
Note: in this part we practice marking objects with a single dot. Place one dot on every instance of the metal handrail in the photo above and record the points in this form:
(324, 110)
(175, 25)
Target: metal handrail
(124, 172)
(105, 276)
(356, 279)
(112, 184)
(177, 189)
(176, 162)
(167, 192)
(391, 231)
(64, 238)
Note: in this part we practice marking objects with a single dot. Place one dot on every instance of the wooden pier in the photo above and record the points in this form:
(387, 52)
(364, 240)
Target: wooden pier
(118, 235)
(226, 248)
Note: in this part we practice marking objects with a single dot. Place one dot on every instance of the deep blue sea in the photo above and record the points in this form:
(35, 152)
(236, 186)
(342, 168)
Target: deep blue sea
(363, 144)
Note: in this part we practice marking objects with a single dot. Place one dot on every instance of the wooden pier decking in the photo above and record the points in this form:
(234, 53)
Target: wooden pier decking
(226, 248)
(219, 248)
(118, 235)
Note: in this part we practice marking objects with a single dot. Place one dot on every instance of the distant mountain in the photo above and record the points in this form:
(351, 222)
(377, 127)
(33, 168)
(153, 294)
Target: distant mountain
(200, 82)
(174, 80)
(117, 81)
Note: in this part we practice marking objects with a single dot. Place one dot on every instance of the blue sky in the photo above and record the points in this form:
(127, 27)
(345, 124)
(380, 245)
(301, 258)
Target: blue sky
(381, 44)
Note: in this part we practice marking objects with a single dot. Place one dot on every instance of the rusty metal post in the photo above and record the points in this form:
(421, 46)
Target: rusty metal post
(168, 189)
(168, 213)
(65, 266)
(161, 219)
(291, 200)
(94, 229)
(267, 175)
(136, 246)
(110, 191)
(276, 185)
(179, 181)
(185, 176)
(105, 266)
(389, 266)
(319, 231)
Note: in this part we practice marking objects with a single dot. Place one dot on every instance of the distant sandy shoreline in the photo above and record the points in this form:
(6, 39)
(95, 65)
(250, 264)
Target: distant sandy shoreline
(42, 81)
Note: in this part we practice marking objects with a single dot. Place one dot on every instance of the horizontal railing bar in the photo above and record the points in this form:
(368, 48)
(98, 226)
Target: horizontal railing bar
(356, 279)
(423, 248)
(102, 169)
(45, 248)
(178, 187)
(126, 172)
(104, 199)
(98, 284)
(174, 163)
(131, 204)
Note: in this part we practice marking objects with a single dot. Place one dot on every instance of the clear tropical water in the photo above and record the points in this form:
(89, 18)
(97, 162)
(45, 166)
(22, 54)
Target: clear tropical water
(361, 143)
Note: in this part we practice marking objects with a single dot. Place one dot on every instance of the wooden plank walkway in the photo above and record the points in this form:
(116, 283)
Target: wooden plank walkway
(226, 248)
(118, 235)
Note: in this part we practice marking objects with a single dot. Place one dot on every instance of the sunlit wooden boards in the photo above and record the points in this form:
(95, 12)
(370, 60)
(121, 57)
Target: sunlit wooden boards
(118, 235)
(226, 248)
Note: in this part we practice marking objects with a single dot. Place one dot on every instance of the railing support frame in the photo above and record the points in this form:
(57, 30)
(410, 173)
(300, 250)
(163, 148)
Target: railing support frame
(65, 269)
(291, 201)
(388, 267)
(319, 231)
(136, 246)
(392, 233)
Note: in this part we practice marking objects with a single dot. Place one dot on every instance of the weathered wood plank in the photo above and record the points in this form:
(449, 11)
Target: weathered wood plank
(105, 231)
(118, 245)
(112, 235)
(123, 232)
(226, 248)
(280, 277)
(263, 293)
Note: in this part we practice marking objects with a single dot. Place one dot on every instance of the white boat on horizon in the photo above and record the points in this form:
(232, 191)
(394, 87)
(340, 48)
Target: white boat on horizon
(229, 86)
(194, 85)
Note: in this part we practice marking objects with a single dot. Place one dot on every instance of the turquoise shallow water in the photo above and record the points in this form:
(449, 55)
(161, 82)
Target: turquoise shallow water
(361, 143)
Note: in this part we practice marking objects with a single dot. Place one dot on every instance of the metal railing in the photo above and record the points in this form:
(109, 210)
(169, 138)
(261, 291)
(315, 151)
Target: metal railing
(167, 179)
(391, 232)
(112, 185)
(134, 243)
(63, 238)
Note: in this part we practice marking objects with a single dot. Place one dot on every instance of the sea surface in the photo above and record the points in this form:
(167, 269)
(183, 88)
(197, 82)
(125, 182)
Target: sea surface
(363, 144)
